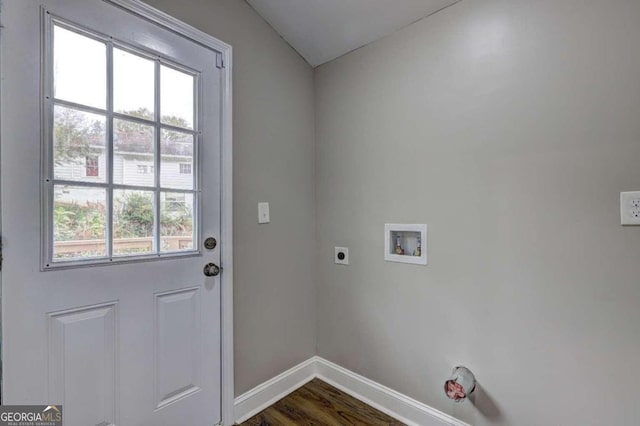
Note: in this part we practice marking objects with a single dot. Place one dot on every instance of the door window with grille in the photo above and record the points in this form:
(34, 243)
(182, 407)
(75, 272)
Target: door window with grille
(121, 140)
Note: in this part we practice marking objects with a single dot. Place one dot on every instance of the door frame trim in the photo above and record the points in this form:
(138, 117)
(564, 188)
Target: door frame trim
(226, 238)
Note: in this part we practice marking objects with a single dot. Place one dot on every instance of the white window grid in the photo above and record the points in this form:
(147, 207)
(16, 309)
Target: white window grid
(49, 182)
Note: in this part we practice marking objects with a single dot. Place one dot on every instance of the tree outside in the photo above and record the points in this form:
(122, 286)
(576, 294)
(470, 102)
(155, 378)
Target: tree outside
(78, 135)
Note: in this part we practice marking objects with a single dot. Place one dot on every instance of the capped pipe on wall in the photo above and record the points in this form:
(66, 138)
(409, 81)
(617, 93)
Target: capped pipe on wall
(460, 384)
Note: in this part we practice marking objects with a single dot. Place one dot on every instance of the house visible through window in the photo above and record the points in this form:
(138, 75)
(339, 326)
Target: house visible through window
(105, 103)
(92, 168)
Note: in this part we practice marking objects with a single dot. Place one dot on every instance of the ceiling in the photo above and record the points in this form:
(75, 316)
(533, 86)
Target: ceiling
(322, 30)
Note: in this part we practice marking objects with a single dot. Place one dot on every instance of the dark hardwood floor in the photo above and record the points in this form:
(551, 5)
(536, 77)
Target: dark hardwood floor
(320, 404)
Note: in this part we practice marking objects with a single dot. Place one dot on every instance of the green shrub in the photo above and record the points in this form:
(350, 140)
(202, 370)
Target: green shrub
(133, 217)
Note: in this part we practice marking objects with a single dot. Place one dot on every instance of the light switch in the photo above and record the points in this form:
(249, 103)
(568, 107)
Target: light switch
(263, 213)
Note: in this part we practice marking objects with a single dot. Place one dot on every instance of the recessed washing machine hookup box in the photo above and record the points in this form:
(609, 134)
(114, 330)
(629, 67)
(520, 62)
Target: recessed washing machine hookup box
(405, 243)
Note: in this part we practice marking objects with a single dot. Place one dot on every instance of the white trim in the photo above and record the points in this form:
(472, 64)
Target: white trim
(389, 401)
(262, 396)
(159, 17)
(226, 241)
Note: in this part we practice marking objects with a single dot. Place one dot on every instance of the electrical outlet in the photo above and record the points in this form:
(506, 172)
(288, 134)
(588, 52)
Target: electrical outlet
(630, 208)
(341, 255)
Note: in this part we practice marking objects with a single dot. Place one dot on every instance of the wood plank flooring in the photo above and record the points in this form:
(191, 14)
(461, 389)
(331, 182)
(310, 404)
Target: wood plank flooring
(320, 404)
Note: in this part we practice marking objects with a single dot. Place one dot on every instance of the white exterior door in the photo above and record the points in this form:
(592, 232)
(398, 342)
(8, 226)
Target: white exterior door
(110, 184)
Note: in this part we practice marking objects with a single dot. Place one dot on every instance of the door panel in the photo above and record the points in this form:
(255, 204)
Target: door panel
(131, 343)
(83, 363)
(177, 342)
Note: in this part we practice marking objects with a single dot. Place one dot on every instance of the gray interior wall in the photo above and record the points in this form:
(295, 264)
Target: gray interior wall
(510, 128)
(274, 293)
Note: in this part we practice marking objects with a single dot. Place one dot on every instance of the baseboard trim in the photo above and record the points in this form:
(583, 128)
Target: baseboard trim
(389, 401)
(262, 396)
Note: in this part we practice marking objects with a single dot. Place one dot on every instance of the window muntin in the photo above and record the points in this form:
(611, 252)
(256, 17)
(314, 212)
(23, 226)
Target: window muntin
(116, 190)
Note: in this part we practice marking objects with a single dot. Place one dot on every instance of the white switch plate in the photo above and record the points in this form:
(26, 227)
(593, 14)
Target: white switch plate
(337, 255)
(630, 208)
(263, 213)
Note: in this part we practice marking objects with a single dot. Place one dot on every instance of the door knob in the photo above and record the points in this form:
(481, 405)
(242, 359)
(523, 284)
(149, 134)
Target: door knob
(211, 270)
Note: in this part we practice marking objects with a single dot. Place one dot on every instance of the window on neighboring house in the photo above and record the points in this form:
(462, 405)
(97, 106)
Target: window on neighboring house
(104, 99)
(91, 166)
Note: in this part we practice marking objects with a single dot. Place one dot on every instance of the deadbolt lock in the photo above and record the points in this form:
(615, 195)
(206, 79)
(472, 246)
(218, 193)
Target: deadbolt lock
(210, 243)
